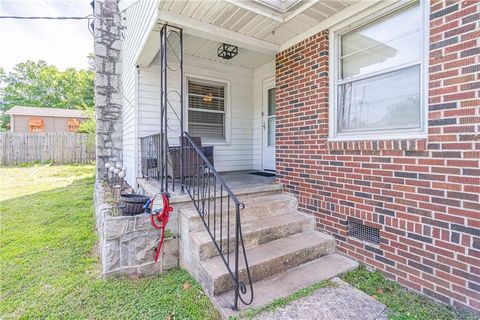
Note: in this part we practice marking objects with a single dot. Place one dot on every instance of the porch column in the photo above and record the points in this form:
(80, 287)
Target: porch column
(108, 100)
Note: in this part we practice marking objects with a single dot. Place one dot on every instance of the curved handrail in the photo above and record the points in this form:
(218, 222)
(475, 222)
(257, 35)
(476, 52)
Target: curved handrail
(202, 187)
(211, 167)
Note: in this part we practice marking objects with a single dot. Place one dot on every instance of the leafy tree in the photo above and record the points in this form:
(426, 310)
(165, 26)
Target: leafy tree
(88, 126)
(37, 84)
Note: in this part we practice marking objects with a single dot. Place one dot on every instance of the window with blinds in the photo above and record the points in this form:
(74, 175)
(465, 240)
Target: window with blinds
(206, 110)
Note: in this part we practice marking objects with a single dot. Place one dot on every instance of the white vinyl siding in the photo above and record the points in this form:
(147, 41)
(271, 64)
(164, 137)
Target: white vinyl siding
(377, 78)
(139, 19)
(237, 153)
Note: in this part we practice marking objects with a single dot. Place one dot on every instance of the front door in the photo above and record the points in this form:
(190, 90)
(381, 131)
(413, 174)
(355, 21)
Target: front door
(269, 125)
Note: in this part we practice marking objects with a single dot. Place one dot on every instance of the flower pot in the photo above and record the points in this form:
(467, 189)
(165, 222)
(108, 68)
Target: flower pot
(133, 203)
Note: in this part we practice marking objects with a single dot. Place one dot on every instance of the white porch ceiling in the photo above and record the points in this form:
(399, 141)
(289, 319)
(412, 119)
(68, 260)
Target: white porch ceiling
(207, 49)
(250, 18)
(258, 30)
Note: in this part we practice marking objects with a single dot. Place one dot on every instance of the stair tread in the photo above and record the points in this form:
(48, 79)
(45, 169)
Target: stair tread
(268, 251)
(191, 212)
(178, 197)
(254, 225)
(288, 282)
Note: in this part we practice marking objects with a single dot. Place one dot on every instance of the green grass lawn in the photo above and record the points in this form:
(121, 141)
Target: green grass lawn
(402, 304)
(48, 265)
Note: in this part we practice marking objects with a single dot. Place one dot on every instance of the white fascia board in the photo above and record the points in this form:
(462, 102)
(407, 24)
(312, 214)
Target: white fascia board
(146, 36)
(279, 17)
(124, 4)
(355, 9)
(304, 6)
(150, 49)
(257, 9)
(211, 32)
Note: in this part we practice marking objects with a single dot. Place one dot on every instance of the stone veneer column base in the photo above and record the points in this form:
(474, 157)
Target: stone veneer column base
(127, 244)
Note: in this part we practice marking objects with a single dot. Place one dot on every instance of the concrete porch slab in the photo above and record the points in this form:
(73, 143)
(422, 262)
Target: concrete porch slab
(343, 302)
(240, 182)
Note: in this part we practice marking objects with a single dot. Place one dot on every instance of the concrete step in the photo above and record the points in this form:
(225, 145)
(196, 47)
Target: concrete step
(255, 207)
(286, 283)
(242, 193)
(267, 259)
(255, 232)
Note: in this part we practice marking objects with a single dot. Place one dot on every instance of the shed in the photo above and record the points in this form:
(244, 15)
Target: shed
(40, 120)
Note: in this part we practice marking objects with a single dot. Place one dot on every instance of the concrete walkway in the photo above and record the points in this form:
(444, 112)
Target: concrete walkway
(342, 302)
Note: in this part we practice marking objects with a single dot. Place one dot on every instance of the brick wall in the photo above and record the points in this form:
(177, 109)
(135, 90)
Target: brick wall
(423, 195)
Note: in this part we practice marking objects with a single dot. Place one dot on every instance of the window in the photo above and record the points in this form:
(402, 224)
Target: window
(271, 118)
(206, 110)
(73, 125)
(378, 78)
(35, 125)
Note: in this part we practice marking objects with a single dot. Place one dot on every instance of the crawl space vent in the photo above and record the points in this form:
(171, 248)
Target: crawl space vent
(363, 232)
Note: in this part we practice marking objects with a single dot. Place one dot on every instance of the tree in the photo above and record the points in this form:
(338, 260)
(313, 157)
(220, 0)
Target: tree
(38, 84)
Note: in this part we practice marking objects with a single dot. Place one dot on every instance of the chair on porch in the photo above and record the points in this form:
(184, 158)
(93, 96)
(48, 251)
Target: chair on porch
(192, 161)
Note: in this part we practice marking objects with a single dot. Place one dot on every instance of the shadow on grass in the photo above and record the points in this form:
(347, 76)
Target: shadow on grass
(47, 268)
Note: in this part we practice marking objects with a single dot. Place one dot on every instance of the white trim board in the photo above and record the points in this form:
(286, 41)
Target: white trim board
(260, 9)
(360, 9)
(209, 31)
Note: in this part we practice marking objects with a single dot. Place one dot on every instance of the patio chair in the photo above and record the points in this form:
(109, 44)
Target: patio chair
(192, 161)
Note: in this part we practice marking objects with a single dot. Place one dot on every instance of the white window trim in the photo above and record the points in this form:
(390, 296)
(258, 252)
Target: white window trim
(355, 23)
(227, 100)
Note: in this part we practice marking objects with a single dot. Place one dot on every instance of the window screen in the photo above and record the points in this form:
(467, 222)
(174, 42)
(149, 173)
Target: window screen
(206, 110)
(378, 81)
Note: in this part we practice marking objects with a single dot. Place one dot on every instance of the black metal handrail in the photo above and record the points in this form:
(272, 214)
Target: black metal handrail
(209, 193)
(213, 199)
(150, 156)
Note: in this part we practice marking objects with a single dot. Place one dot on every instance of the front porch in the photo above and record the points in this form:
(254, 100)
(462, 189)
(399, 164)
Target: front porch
(240, 182)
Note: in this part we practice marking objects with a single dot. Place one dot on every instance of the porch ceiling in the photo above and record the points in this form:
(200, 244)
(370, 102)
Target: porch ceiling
(207, 49)
(251, 18)
(253, 25)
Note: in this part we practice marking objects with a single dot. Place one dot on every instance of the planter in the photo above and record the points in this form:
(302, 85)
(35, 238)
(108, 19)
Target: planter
(133, 203)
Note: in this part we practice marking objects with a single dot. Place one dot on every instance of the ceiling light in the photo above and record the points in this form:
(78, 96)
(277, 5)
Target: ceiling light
(227, 51)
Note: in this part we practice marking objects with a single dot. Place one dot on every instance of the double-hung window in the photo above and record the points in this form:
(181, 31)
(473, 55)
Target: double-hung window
(206, 110)
(377, 82)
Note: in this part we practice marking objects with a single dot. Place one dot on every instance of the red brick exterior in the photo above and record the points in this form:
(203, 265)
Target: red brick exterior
(422, 194)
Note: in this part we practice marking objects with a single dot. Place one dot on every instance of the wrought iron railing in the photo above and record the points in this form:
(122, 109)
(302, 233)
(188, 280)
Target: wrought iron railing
(219, 209)
(150, 155)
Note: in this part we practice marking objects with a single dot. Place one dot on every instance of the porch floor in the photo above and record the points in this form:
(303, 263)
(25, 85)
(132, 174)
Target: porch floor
(240, 182)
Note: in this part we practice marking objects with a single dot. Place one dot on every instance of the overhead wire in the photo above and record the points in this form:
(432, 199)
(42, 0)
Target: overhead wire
(90, 16)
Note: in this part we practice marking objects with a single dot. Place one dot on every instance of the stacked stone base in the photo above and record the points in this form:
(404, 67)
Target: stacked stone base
(127, 244)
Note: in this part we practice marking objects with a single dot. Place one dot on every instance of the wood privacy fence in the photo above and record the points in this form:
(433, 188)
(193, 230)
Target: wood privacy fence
(58, 147)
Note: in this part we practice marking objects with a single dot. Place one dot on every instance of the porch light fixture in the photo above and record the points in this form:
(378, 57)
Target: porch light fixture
(227, 51)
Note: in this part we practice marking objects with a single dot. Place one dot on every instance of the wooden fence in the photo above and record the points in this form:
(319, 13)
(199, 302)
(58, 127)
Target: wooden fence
(58, 147)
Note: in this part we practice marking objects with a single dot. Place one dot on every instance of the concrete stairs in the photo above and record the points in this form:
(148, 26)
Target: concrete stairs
(284, 251)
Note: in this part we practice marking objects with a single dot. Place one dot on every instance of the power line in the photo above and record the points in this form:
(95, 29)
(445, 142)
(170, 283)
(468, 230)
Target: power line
(47, 18)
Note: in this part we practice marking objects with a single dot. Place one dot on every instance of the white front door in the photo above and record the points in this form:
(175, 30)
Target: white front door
(269, 125)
